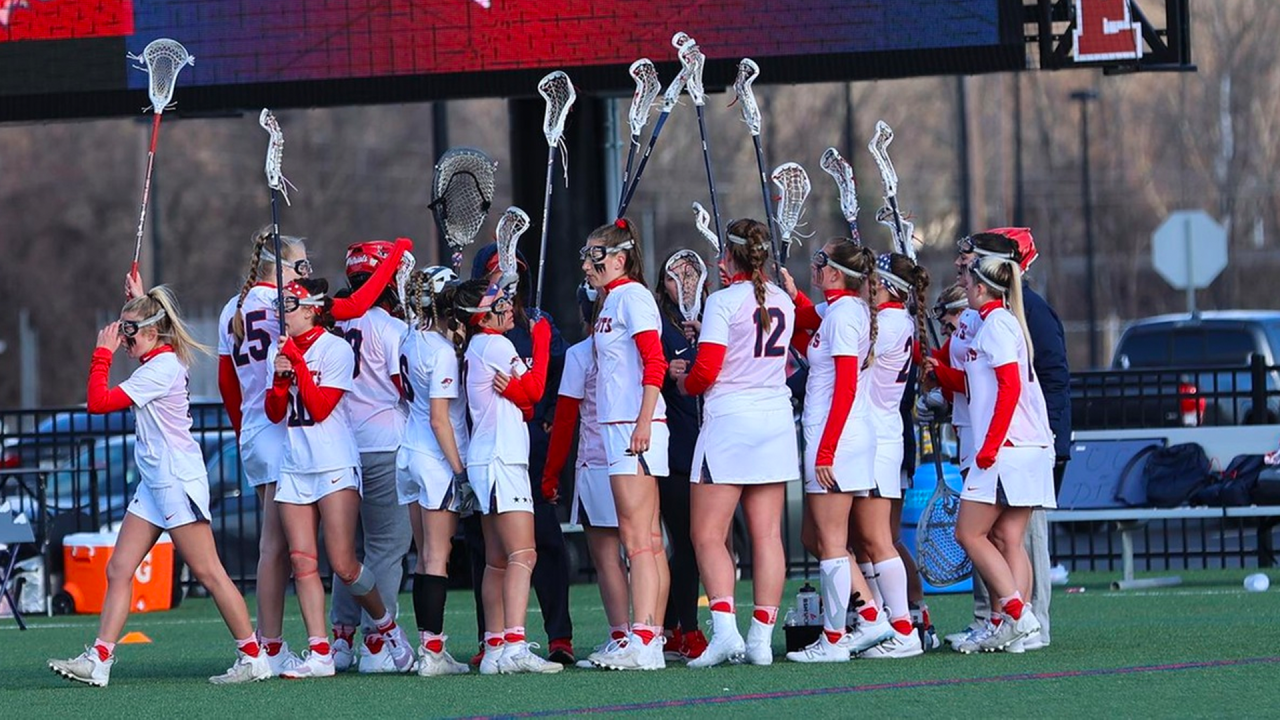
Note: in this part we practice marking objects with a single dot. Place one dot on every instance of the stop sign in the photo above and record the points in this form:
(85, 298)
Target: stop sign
(1189, 249)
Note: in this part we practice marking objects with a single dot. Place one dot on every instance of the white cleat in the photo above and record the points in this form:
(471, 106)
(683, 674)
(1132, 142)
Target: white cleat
(397, 643)
(898, 646)
(1034, 641)
(371, 662)
(956, 638)
(518, 658)
(313, 665)
(724, 646)
(600, 656)
(343, 655)
(86, 668)
(436, 664)
(1010, 631)
(867, 635)
(759, 644)
(633, 654)
(821, 651)
(245, 670)
(283, 661)
(489, 660)
(972, 643)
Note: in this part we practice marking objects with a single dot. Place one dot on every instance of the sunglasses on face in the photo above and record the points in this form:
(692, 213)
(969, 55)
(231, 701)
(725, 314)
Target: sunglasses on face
(130, 328)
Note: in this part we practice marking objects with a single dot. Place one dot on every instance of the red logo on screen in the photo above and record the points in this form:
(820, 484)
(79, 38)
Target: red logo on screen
(1105, 31)
(64, 19)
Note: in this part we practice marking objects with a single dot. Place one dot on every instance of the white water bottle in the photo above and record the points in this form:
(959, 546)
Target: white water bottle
(807, 601)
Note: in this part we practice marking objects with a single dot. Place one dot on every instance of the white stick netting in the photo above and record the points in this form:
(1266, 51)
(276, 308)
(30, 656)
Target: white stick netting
(560, 95)
(748, 71)
(904, 244)
(834, 164)
(407, 261)
(692, 61)
(793, 186)
(511, 226)
(689, 272)
(648, 88)
(162, 59)
(702, 221)
(275, 155)
(462, 193)
(879, 147)
(679, 39)
(671, 97)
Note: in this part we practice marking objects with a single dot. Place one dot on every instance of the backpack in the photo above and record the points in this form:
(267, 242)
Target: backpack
(1175, 473)
(1266, 491)
(1234, 486)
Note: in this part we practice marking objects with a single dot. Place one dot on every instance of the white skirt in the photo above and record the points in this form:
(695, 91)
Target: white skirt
(309, 488)
(854, 466)
(425, 479)
(965, 449)
(501, 488)
(1024, 474)
(174, 504)
(617, 446)
(261, 454)
(747, 449)
(593, 498)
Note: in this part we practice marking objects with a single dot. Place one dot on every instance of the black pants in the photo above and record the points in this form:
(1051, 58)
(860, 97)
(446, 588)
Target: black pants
(682, 601)
(550, 575)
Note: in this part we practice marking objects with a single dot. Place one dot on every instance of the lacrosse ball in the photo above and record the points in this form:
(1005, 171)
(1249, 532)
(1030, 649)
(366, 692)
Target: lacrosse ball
(1257, 582)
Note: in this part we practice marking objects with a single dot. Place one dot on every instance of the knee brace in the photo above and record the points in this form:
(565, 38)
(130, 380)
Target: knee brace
(362, 584)
(526, 564)
(304, 565)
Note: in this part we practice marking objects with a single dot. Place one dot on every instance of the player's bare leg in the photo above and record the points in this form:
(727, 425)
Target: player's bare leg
(973, 529)
(713, 506)
(491, 592)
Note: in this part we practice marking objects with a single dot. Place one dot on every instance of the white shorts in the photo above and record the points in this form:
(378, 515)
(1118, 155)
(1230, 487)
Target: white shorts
(308, 488)
(177, 503)
(261, 454)
(1024, 475)
(888, 472)
(593, 498)
(855, 463)
(617, 446)
(425, 479)
(965, 449)
(501, 488)
(747, 449)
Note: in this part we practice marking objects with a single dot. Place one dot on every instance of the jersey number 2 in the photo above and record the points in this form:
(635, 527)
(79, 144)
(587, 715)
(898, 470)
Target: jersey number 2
(770, 347)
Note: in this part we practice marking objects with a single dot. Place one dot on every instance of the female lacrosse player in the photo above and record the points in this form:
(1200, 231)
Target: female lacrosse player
(173, 492)
(747, 447)
(501, 389)
(687, 640)
(1012, 470)
(630, 369)
(319, 474)
(593, 504)
(839, 442)
(432, 460)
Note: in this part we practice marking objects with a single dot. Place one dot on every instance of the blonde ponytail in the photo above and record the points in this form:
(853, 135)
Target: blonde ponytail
(170, 328)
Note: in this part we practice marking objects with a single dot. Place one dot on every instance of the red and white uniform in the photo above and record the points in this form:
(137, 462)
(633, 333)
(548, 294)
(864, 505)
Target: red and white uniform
(887, 381)
(748, 431)
(498, 453)
(261, 441)
(955, 357)
(1024, 450)
(429, 369)
(591, 490)
(321, 455)
(376, 411)
(628, 319)
(843, 338)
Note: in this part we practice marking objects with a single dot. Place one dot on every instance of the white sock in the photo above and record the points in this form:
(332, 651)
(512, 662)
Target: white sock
(893, 586)
(869, 574)
(836, 585)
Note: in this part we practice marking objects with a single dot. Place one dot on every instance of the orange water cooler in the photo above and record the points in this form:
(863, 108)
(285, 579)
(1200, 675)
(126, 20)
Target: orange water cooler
(86, 556)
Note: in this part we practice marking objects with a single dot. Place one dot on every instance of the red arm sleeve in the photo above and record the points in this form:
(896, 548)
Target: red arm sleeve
(102, 400)
(846, 388)
(526, 390)
(561, 438)
(359, 302)
(705, 369)
(277, 401)
(1008, 389)
(229, 388)
(807, 318)
(395, 380)
(649, 343)
(319, 401)
(950, 379)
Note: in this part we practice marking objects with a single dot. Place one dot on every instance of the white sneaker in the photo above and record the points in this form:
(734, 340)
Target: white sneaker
(284, 660)
(489, 660)
(518, 658)
(898, 646)
(87, 668)
(246, 669)
(956, 638)
(376, 662)
(343, 655)
(972, 642)
(726, 645)
(1034, 641)
(313, 665)
(1017, 647)
(435, 664)
(759, 643)
(401, 649)
(820, 651)
(867, 635)
(600, 656)
(1010, 631)
(634, 654)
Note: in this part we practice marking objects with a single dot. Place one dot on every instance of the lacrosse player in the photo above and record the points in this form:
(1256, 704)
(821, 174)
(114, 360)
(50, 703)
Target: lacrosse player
(747, 447)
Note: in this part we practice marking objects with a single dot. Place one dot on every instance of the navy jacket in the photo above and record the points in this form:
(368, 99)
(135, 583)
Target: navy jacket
(682, 410)
(1050, 344)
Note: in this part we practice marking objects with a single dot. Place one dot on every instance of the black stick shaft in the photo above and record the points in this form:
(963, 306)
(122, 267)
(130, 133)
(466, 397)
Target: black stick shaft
(768, 208)
(711, 180)
(275, 246)
(644, 161)
(626, 175)
(546, 216)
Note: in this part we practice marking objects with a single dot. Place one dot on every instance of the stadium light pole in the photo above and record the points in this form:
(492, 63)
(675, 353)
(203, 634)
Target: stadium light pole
(1084, 97)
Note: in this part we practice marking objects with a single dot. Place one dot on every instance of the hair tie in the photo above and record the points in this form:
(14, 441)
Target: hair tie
(621, 223)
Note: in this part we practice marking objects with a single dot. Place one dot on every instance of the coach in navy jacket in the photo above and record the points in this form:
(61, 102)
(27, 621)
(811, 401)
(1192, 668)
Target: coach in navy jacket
(1049, 340)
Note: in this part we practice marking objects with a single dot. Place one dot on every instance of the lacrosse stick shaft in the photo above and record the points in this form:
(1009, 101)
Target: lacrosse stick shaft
(626, 175)
(644, 161)
(546, 215)
(146, 191)
(275, 248)
(711, 180)
(768, 207)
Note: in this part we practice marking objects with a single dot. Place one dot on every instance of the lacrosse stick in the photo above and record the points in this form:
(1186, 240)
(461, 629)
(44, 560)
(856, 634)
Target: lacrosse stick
(702, 221)
(462, 192)
(689, 272)
(279, 186)
(748, 71)
(942, 560)
(839, 169)
(669, 100)
(163, 58)
(556, 89)
(648, 87)
(879, 147)
(692, 60)
(511, 226)
(403, 273)
(793, 185)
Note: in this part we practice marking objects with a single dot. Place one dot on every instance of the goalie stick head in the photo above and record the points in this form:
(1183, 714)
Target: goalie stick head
(702, 221)
(511, 226)
(560, 95)
(275, 154)
(793, 186)
(648, 88)
(841, 171)
(688, 273)
(162, 59)
(462, 192)
(748, 71)
(692, 61)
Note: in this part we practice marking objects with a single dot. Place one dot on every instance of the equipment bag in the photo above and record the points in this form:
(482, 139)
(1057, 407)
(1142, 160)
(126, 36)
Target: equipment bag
(1267, 490)
(1233, 487)
(1175, 473)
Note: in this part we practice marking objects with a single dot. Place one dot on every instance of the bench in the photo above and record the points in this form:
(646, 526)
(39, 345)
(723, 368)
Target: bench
(1220, 444)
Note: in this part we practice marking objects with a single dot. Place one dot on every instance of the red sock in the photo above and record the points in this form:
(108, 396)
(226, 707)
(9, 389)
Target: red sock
(104, 648)
(617, 632)
(722, 604)
(902, 626)
(493, 640)
(249, 647)
(273, 646)
(869, 613)
(386, 624)
(646, 633)
(432, 642)
(766, 614)
(319, 646)
(513, 635)
(924, 616)
(833, 636)
(345, 632)
(374, 642)
(1012, 606)
(996, 620)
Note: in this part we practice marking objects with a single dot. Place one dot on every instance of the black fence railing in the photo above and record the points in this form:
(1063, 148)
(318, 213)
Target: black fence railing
(1167, 544)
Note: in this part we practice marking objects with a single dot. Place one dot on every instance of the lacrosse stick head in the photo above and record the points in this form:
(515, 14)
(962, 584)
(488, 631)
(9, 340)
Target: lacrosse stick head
(748, 71)
(407, 261)
(793, 189)
(692, 61)
(558, 91)
(834, 164)
(702, 221)
(511, 226)
(461, 194)
(671, 97)
(275, 154)
(904, 244)
(689, 274)
(879, 147)
(648, 88)
(942, 560)
(679, 39)
(163, 60)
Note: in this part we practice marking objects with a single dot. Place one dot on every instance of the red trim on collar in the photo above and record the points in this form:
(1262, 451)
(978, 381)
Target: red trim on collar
(265, 285)
(308, 338)
(890, 304)
(157, 350)
(834, 295)
(490, 331)
(987, 309)
(740, 277)
(619, 282)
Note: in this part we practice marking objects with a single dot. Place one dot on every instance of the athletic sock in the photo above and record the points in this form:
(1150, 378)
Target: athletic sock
(722, 604)
(273, 646)
(766, 614)
(646, 633)
(249, 646)
(873, 583)
(618, 632)
(902, 626)
(891, 576)
(836, 581)
(105, 649)
(374, 641)
(429, 595)
(318, 645)
(493, 640)
(1012, 605)
(869, 613)
(345, 632)
(433, 642)
(386, 623)
(513, 635)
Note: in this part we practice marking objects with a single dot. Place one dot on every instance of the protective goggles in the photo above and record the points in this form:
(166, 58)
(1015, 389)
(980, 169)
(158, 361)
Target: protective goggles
(941, 310)
(301, 267)
(821, 259)
(130, 328)
(597, 253)
(293, 302)
(490, 303)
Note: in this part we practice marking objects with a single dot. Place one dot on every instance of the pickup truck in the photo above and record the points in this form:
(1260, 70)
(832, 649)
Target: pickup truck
(1211, 368)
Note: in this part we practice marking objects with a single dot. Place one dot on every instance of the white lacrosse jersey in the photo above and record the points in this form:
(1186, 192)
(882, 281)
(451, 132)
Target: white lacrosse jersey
(315, 447)
(629, 309)
(889, 372)
(967, 326)
(498, 430)
(261, 333)
(1000, 342)
(377, 413)
(430, 369)
(754, 373)
(845, 332)
(164, 451)
(579, 381)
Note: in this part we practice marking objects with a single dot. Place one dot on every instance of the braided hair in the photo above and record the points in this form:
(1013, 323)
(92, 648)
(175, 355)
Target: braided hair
(903, 268)
(748, 246)
(259, 270)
